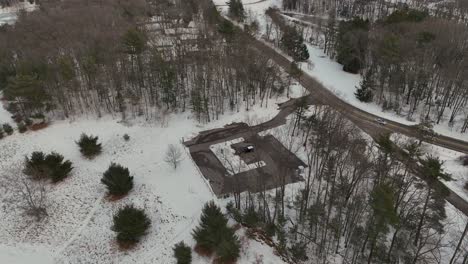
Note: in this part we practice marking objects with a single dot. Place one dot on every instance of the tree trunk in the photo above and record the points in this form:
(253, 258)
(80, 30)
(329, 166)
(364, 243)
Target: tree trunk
(423, 215)
(459, 244)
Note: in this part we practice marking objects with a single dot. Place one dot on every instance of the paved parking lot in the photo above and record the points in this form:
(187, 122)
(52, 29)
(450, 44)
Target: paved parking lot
(280, 165)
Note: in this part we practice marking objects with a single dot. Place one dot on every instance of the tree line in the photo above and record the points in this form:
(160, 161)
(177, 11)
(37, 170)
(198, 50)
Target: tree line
(117, 57)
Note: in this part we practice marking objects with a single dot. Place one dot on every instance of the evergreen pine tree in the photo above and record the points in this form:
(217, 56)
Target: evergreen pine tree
(58, 169)
(89, 146)
(299, 251)
(130, 224)
(30, 88)
(134, 42)
(293, 43)
(364, 92)
(251, 218)
(236, 9)
(22, 127)
(383, 203)
(117, 180)
(182, 253)
(226, 28)
(35, 166)
(8, 128)
(214, 235)
(51, 166)
(207, 235)
(228, 249)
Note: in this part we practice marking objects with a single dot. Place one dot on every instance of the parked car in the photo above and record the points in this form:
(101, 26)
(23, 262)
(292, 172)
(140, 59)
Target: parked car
(248, 149)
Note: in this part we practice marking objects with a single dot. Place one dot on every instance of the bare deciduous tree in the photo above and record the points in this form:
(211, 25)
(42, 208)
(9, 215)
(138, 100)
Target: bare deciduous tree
(173, 156)
(25, 193)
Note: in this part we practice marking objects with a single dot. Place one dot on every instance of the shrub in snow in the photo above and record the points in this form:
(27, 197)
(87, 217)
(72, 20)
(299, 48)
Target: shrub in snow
(35, 166)
(89, 145)
(22, 127)
(182, 253)
(2, 134)
(214, 235)
(464, 160)
(51, 166)
(117, 180)
(466, 186)
(7, 128)
(31, 195)
(130, 224)
(298, 251)
(58, 169)
(28, 121)
(126, 137)
(233, 212)
(251, 218)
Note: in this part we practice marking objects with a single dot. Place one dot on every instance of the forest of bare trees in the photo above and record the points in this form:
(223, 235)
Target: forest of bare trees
(110, 57)
(361, 202)
(412, 55)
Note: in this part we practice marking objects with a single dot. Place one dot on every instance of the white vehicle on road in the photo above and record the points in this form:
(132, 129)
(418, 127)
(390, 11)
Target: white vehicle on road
(381, 121)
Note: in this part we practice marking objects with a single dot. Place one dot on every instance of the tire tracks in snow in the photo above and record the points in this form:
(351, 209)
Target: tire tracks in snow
(80, 229)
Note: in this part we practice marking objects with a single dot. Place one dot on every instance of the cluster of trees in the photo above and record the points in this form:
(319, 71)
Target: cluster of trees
(287, 37)
(128, 65)
(130, 223)
(39, 168)
(367, 203)
(213, 235)
(51, 166)
(236, 9)
(413, 61)
(31, 186)
(376, 9)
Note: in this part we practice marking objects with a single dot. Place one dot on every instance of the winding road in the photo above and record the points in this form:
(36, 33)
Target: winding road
(362, 119)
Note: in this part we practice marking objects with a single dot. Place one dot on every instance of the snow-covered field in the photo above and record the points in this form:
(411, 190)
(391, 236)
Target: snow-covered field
(77, 228)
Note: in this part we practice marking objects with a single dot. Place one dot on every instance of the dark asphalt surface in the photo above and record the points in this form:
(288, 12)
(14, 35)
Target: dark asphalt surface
(276, 157)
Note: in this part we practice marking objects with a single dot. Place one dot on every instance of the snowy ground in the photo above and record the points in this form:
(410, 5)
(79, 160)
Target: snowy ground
(77, 229)
(5, 117)
(8, 15)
